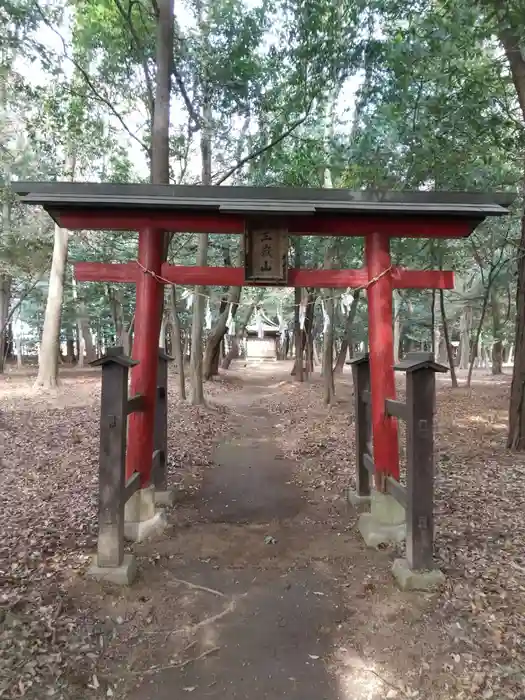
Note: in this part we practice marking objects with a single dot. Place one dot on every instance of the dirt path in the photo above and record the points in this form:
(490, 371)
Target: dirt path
(290, 603)
(261, 586)
(270, 618)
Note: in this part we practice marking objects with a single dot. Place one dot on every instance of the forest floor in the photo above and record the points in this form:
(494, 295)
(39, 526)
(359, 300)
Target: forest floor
(261, 586)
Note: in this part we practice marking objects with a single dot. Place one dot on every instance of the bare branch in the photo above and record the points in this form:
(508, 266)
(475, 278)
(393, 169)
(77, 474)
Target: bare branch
(140, 48)
(477, 257)
(242, 136)
(101, 98)
(195, 117)
(259, 151)
(185, 158)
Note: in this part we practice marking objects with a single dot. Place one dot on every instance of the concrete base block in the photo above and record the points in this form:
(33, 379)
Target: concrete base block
(145, 529)
(357, 500)
(122, 575)
(141, 505)
(165, 498)
(386, 510)
(409, 580)
(375, 533)
(385, 524)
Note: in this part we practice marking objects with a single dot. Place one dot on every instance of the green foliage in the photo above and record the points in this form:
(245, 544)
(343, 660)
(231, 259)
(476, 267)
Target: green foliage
(435, 108)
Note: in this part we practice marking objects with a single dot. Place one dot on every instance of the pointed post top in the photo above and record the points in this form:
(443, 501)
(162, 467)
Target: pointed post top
(359, 359)
(114, 355)
(414, 361)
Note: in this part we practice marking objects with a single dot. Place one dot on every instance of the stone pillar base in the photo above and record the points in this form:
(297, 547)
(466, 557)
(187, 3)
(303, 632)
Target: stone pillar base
(356, 500)
(165, 498)
(122, 575)
(145, 529)
(375, 534)
(409, 580)
(385, 524)
(141, 519)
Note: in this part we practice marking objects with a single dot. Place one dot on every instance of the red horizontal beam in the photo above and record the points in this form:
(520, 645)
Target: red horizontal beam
(106, 272)
(307, 225)
(328, 278)
(234, 276)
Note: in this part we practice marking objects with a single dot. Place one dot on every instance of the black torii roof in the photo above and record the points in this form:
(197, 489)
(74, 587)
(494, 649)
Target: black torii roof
(261, 200)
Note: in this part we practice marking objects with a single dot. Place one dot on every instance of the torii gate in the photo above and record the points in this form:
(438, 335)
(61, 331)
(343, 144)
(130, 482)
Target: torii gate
(152, 209)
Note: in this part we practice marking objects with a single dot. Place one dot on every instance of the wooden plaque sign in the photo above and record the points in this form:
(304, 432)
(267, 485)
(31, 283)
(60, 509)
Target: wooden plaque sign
(266, 257)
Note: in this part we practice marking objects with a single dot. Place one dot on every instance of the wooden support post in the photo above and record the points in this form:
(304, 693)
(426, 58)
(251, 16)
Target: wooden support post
(112, 456)
(160, 442)
(363, 425)
(420, 401)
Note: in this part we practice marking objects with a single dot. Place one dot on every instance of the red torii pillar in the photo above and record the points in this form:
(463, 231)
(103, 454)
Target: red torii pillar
(381, 342)
(149, 274)
(145, 351)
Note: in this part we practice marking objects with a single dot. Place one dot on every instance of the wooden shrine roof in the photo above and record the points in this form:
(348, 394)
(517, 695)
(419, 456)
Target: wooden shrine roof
(249, 201)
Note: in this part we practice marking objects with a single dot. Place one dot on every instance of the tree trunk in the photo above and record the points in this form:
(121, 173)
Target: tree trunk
(516, 438)
(328, 332)
(5, 302)
(464, 338)
(308, 331)
(397, 324)
(70, 347)
(233, 352)
(123, 335)
(297, 369)
(81, 322)
(196, 368)
(124, 340)
(5, 280)
(476, 345)
(18, 347)
(510, 36)
(315, 351)
(477, 353)
(497, 345)
(298, 365)
(211, 356)
(160, 121)
(446, 336)
(160, 170)
(442, 355)
(436, 339)
(176, 340)
(328, 352)
(10, 343)
(281, 341)
(347, 337)
(47, 377)
(434, 330)
(86, 340)
(81, 345)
